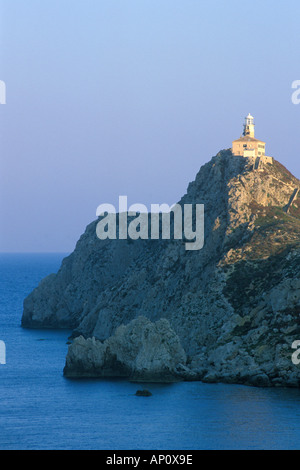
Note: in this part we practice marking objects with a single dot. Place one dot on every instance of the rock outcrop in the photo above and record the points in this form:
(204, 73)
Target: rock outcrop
(141, 351)
(234, 304)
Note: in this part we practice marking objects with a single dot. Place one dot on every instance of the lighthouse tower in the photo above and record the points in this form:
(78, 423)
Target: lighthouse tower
(249, 126)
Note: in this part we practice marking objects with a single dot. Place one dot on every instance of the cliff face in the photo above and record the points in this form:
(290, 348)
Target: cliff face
(234, 304)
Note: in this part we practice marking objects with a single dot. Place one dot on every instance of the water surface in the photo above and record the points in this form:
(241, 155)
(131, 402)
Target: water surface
(40, 409)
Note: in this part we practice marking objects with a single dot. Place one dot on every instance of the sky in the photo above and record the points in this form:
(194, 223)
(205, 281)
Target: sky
(131, 97)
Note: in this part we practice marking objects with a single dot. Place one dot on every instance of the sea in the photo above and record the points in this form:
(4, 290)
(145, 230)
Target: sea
(42, 410)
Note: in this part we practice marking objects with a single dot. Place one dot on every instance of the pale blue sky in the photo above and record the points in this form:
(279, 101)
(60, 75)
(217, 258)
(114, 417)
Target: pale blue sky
(131, 97)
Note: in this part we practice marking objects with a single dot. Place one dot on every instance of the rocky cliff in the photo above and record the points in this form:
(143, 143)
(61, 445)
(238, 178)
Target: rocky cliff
(233, 305)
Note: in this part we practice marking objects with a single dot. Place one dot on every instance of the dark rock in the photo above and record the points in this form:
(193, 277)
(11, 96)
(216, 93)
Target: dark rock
(143, 393)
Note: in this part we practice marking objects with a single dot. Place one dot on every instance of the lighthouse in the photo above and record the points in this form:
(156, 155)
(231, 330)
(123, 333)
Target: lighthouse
(248, 146)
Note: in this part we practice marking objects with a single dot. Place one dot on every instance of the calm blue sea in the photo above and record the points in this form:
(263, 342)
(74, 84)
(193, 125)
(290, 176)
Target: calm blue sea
(40, 409)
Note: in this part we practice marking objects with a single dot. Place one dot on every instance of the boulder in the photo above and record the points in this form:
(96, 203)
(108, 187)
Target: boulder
(143, 393)
(142, 351)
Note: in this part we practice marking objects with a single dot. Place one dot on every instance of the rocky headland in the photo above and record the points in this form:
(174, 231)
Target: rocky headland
(149, 310)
